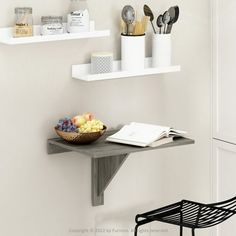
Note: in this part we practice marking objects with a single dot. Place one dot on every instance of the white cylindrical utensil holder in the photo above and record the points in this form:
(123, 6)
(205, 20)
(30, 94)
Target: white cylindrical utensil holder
(161, 50)
(132, 52)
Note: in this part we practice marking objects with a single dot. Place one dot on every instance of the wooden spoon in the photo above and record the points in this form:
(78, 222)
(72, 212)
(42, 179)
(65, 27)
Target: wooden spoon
(145, 20)
(138, 28)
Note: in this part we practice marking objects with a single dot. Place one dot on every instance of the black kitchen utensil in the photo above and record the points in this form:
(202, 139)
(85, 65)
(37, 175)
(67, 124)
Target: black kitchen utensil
(174, 15)
(166, 19)
(160, 23)
(148, 12)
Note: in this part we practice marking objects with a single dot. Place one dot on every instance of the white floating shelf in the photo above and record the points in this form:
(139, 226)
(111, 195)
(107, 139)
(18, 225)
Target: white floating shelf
(82, 72)
(7, 38)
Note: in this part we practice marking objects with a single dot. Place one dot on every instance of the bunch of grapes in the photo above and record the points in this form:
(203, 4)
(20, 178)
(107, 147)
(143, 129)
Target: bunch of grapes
(91, 126)
(66, 125)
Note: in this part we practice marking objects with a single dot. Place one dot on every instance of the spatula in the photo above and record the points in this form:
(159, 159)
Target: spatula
(138, 28)
(122, 27)
(145, 20)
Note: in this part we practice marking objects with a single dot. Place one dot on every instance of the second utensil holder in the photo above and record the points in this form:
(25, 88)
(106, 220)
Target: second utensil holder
(161, 50)
(132, 52)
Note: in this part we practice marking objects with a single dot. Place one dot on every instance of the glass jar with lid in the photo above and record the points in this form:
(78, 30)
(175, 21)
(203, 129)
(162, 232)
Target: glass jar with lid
(52, 25)
(24, 22)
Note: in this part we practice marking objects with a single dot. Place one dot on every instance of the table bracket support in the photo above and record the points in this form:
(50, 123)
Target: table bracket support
(103, 171)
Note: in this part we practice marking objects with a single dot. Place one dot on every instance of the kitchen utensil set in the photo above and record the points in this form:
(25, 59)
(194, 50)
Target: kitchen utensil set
(131, 25)
(164, 22)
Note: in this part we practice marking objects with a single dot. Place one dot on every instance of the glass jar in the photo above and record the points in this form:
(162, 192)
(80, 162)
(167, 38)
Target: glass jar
(24, 22)
(52, 25)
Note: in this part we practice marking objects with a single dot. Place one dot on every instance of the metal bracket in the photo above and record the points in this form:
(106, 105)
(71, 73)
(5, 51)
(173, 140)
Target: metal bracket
(103, 171)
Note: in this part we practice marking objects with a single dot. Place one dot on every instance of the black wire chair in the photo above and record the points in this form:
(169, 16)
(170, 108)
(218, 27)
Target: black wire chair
(189, 214)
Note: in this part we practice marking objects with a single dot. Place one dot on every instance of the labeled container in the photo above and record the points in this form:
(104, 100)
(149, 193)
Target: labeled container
(132, 52)
(161, 50)
(23, 22)
(51, 25)
(78, 18)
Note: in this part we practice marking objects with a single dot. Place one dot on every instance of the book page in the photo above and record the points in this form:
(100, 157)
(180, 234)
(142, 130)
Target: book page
(140, 133)
(177, 132)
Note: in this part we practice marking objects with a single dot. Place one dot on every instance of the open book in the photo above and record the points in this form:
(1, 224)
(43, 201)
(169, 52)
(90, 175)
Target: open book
(143, 135)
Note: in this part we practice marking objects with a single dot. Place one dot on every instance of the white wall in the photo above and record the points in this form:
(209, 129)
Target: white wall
(43, 195)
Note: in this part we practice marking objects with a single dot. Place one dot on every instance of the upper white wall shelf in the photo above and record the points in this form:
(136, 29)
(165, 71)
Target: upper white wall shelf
(7, 38)
(82, 72)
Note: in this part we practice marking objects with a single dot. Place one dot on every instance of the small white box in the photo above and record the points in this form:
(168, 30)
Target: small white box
(101, 62)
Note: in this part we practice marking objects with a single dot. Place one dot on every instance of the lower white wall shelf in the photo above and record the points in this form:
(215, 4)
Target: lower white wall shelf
(6, 36)
(82, 72)
(107, 158)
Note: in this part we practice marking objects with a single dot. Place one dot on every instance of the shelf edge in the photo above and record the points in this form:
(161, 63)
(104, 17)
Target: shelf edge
(120, 74)
(7, 39)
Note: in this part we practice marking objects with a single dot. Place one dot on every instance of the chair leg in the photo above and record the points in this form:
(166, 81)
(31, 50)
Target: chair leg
(181, 231)
(139, 223)
(181, 226)
(193, 232)
(136, 230)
